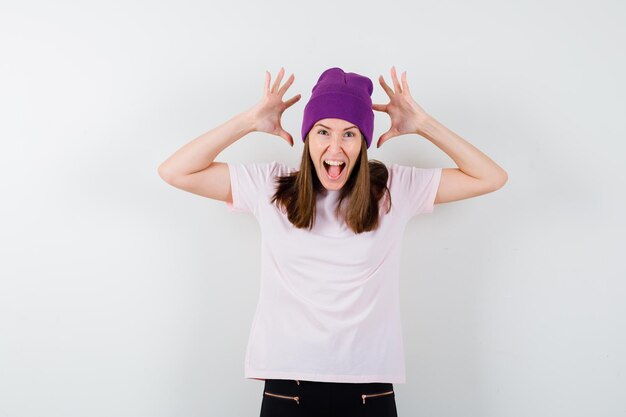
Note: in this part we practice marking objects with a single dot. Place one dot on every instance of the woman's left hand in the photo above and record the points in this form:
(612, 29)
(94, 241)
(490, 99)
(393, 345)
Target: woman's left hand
(406, 115)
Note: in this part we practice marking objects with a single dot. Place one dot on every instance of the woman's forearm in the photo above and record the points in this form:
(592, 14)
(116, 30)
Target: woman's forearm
(469, 159)
(201, 152)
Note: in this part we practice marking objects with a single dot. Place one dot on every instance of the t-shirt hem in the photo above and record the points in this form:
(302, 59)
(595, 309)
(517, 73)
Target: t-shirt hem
(303, 376)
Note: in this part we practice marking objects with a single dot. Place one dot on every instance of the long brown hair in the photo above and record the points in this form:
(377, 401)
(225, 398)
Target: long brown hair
(296, 192)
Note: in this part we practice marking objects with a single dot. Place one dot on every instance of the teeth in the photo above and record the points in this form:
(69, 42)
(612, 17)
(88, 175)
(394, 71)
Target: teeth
(329, 162)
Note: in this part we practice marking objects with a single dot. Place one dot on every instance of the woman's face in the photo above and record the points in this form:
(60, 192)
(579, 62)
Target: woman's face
(334, 140)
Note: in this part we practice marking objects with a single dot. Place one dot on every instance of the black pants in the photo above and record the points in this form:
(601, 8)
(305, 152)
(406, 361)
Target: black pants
(292, 398)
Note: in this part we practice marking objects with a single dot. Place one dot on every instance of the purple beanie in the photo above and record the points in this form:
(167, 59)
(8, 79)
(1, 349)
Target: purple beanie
(341, 95)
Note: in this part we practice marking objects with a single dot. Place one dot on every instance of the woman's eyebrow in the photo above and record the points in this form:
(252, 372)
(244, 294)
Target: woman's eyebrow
(319, 124)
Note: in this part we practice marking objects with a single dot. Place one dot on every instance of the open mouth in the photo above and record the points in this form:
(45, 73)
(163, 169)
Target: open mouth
(334, 171)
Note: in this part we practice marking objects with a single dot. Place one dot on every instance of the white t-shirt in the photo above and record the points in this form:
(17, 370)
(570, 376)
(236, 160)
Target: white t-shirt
(329, 305)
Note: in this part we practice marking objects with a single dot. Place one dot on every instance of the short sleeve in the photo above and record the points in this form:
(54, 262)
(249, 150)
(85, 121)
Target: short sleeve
(414, 188)
(249, 184)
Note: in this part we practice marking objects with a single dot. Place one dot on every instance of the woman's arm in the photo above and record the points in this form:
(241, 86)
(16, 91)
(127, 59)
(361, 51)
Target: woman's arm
(192, 167)
(201, 152)
(477, 174)
(469, 159)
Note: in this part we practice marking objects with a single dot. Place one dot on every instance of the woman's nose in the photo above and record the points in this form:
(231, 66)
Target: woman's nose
(335, 143)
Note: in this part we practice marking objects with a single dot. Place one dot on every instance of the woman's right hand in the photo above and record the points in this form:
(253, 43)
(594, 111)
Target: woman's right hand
(267, 112)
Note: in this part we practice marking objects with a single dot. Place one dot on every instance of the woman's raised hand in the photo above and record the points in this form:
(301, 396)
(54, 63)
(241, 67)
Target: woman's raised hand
(267, 112)
(406, 115)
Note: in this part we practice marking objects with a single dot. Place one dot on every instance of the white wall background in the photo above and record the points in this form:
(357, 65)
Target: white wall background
(123, 296)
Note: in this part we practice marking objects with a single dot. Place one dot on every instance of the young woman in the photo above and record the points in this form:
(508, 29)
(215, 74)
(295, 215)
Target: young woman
(326, 336)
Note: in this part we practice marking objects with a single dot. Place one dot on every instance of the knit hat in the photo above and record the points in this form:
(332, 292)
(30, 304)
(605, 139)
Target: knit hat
(341, 95)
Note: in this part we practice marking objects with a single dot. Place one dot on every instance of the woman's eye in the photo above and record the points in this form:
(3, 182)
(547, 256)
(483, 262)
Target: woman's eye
(324, 130)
